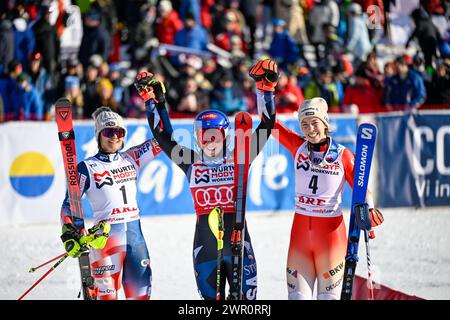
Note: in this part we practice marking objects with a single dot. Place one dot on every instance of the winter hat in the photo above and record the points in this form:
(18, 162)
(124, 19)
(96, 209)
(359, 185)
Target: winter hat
(355, 8)
(315, 107)
(278, 22)
(165, 5)
(70, 82)
(106, 118)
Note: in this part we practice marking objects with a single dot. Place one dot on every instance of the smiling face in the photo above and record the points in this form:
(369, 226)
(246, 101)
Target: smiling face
(111, 139)
(314, 129)
(212, 142)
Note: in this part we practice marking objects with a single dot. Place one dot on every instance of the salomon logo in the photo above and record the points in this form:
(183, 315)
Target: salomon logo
(366, 133)
(362, 165)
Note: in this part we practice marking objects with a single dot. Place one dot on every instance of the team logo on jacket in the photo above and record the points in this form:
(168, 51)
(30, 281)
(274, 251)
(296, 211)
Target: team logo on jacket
(102, 179)
(302, 162)
(331, 156)
(202, 175)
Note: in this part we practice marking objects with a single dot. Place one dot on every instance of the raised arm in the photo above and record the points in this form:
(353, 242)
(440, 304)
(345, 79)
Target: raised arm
(265, 73)
(152, 91)
(289, 139)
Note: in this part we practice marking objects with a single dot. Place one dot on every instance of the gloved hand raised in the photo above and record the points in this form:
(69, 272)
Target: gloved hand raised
(149, 88)
(265, 73)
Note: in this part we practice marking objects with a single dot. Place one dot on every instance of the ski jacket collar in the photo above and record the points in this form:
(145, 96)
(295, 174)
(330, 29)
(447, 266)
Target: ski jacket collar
(107, 157)
(329, 156)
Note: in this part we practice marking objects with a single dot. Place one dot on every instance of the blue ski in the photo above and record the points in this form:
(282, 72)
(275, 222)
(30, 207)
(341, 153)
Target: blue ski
(359, 215)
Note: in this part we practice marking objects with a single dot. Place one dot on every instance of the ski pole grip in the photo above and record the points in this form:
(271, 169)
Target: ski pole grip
(371, 234)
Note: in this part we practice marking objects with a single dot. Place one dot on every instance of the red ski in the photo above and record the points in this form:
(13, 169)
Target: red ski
(242, 149)
(63, 115)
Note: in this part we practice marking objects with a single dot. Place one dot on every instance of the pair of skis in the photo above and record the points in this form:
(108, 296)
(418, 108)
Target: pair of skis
(242, 148)
(359, 214)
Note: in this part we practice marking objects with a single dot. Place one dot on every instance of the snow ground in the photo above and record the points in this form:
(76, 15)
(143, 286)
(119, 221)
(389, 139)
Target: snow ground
(411, 253)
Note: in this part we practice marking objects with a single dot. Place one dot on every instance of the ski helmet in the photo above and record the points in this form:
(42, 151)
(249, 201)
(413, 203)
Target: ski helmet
(211, 119)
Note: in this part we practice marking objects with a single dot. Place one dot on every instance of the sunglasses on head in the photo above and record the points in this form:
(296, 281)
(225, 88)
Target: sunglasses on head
(110, 132)
(211, 135)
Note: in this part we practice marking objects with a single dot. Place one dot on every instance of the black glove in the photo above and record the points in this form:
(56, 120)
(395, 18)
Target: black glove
(149, 88)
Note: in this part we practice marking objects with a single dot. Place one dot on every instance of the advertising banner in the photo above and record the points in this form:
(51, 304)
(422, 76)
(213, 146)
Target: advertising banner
(414, 159)
(33, 183)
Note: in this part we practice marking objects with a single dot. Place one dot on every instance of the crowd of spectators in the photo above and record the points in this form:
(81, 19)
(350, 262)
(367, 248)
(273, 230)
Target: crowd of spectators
(202, 50)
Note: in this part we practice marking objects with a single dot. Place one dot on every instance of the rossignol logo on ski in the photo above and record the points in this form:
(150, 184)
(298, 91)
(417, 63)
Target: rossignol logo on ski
(102, 179)
(63, 114)
(72, 174)
(65, 135)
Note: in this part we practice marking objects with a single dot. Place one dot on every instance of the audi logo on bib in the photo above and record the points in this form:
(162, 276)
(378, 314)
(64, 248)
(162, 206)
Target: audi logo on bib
(214, 196)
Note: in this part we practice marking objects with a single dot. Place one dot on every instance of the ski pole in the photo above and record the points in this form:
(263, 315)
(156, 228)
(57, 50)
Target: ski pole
(45, 275)
(88, 240)
(369, 265)
(215, 222)
(33, 269)
(364, 223)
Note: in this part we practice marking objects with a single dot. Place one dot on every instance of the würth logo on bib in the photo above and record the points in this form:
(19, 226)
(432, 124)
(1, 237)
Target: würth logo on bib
(202, 175)
(102, 179)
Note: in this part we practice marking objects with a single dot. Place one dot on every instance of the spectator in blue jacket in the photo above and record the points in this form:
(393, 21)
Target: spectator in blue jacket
(8, 82)
(358, 41)
(26, 102)
(228, 97)
(24, 41)
(192, 36)
(406, 89)
(283, 48)
(190, 8)
(42, 82)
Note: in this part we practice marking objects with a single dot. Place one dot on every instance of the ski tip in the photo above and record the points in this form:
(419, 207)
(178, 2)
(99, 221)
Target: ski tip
(62, 102)
(243, 118)
(367, 130)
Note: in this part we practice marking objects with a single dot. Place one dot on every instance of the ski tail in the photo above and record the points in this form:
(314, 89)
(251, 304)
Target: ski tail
(242, 149)
(216, 224)
(63, 115)
(359, 214)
